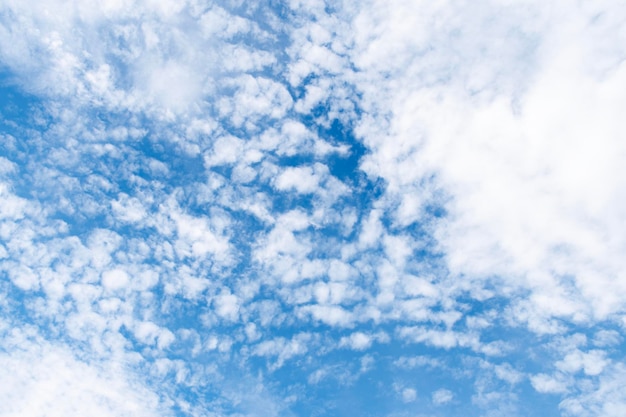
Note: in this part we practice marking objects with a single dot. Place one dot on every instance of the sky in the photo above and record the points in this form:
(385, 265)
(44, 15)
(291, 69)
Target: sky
(293, 208)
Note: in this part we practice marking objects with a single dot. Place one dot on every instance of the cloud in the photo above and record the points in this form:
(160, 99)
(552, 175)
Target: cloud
(47, 380)
(13, 207)
(283, 349)
(591, 363)
(115, 279)
(442, 396)
(528, 161)
(328, 314)
(357, 341)
(199, 190)
(605, 398)
(227, 306)
(409, 395)
(301, 179)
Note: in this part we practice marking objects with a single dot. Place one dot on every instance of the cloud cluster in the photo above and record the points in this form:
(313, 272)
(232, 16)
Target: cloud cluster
(195, 193)
(518, 141)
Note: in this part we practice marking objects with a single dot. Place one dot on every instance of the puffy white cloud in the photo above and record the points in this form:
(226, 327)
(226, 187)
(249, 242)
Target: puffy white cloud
(548, 384)
(442, 396)
(301, 179)
(255, 97)
(13, 207)
(591, 363)
(357, 341)
(151, 334)
(128, 209)
(507, 373)
(227, 306)
(115, 279)
(197, 236)
(328, 314)
(409, 395)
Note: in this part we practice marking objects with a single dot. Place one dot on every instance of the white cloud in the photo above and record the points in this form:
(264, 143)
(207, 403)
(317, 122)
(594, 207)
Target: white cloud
(283, 349)
(47, 380)
(304, 180)
(161, 79)
(442, 396)
(7, 166)
(340, 271)
(605, 338)
(115, 279)
(507, 373)
(12, 207)
(226, 149)
(548, 384)
(150, 333)
(255, 97)
(417, 361)
(218, 22)
(409, 395)
(197, 236)
(592, 362)
(607, 398)
(505, 114)
(128, 209)
(227, 306)
(445, 339)
(371, 229)
(356, 341)
(520, 135)
(328, 314)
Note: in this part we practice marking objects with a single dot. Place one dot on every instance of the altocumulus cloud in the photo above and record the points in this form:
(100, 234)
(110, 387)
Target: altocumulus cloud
(312, 208)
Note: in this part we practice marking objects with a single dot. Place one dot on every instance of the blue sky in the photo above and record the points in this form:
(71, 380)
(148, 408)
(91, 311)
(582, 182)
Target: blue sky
(309, 208)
